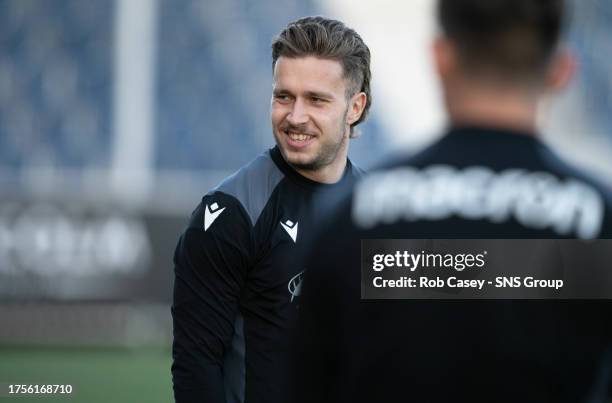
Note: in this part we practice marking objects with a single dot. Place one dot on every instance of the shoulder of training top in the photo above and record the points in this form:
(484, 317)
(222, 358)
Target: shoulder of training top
(252, 185)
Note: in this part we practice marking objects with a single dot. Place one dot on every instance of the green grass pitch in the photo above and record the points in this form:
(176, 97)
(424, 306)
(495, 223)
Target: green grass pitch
(103, 375)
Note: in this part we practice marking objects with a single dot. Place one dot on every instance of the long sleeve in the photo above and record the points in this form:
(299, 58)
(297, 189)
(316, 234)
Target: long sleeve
(211, 262)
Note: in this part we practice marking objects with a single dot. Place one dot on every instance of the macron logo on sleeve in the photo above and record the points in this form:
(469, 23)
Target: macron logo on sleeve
(211, 214)
(291, 229)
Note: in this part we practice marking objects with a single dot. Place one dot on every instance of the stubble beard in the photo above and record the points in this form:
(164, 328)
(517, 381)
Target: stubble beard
(326, 154)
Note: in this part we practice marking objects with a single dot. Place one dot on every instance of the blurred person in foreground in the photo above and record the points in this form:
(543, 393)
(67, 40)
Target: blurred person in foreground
(489, 176)
(237, 268)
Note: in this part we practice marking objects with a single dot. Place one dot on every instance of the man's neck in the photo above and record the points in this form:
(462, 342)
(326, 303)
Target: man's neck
(494, 107)
(323, 175)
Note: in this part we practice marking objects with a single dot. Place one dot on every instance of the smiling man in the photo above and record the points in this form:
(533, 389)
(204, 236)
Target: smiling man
(237, 275)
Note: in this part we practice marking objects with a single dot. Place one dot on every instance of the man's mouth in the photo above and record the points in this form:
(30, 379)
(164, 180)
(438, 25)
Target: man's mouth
(298, 138)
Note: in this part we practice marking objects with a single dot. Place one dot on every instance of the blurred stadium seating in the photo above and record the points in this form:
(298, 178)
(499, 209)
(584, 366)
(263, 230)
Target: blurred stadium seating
(55, 76)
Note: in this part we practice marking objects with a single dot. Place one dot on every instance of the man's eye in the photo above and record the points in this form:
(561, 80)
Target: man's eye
(282, 97)
(317, 100)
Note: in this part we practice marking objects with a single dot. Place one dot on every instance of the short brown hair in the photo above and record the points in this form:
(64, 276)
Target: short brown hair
(329, 39)
(512, 38)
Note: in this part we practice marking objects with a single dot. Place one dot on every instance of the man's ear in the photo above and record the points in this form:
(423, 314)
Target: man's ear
(561, 70)
(357, 104)
(445, 57)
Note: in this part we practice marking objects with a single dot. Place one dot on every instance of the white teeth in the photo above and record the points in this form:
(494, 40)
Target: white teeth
(299, 136)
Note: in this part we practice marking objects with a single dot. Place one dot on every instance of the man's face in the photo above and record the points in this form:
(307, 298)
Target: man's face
(309, 111)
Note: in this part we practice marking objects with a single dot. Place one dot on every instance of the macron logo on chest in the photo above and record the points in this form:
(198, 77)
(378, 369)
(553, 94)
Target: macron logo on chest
(211, 213)
(291, 229)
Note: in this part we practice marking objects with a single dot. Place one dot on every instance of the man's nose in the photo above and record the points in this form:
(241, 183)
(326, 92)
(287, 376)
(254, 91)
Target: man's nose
(298, 115)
